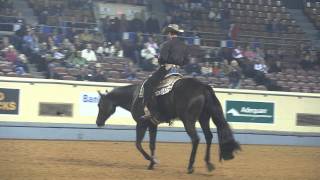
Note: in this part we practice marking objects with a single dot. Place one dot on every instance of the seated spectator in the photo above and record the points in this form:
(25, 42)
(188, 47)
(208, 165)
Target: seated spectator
(98, 74)
(116, 50)
(234, 75)
(148, 54)
(206, 70)
(75, 59)
(151, 43)
(21, 65)
(214, 15)
(86, 37)
(249, 53)
(260, 70)
(237, 53)
(89, 54)
(56, 54)
(130, 71)
(193, 68)
(260, 66)
(216, 69)
(10, 54)
(275, 66)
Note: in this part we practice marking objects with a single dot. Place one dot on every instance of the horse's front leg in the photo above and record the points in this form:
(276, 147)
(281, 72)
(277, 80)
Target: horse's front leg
(152, 144)
(141, 129)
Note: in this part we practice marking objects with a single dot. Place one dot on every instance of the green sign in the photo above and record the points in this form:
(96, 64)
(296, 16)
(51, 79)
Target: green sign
(249, 111)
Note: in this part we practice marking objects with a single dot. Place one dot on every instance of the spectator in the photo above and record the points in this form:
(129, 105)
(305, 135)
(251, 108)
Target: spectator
(152, 44)
(57, 55)
(114, 29)
(130, 71)
(29, 41)
(148, 54)
(152, 25)
(21, 65)
(136, 24)
(98, 74)
(214, 15)
(11, 54)
(260, 66)
(206, 70)
(275, 66)
(249, 53)
(216, 70)
(123, 23)
(234, 75)
(234, 31)
(75, 59)
(89, 54)
(260, 70)
(193, 68)
(86, 37)
(116, 50)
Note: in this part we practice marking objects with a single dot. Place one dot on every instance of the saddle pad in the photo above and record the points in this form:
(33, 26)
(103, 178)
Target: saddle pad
(165, 85)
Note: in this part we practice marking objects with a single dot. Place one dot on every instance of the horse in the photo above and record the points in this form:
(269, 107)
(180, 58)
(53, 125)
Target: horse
(190, 101)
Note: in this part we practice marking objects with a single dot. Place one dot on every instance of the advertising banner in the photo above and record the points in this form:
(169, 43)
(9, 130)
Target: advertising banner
(250, 111)
(9, 101)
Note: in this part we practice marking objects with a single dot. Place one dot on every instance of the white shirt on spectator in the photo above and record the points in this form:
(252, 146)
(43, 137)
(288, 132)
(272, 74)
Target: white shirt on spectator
(89, 55)
(148, 53)
(261, 67)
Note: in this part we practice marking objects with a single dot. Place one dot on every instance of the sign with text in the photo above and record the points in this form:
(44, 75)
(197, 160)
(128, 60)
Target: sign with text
(89, 106)
(9, 101)
(250, 111)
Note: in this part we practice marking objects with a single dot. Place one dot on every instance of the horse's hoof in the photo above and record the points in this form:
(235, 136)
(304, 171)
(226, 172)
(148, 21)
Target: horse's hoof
(151, 167)
(190, 170)
(155, 160)
(210, 167)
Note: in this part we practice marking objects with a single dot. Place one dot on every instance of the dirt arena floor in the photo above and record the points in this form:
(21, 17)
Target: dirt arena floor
(35, 159)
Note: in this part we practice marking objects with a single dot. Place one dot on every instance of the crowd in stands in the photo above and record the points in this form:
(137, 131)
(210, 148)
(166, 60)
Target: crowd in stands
(128, 49)
(312, 10)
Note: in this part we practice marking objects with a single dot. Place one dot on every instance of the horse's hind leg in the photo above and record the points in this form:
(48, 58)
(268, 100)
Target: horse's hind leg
(141, 130)
(152, 144)
(205, 125)
(191, 130)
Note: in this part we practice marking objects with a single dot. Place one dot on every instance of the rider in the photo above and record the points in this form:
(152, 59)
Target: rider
(173, 55)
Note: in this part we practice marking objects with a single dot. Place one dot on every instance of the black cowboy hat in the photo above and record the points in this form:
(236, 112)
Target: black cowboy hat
(172, 28)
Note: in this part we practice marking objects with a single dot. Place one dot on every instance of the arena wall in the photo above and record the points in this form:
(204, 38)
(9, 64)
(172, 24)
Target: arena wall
(276, 112)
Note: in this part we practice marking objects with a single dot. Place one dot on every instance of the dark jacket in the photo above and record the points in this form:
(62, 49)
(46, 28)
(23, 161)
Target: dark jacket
(174, 51)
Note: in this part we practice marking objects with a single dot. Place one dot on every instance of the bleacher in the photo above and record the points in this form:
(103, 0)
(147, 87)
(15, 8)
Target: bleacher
(252, 17)
(312, 10)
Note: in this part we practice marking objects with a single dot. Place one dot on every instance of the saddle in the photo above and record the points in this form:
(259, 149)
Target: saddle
(165, 86)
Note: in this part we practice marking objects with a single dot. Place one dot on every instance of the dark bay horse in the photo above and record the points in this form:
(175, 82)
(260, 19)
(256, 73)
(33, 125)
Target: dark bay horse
(190, 101)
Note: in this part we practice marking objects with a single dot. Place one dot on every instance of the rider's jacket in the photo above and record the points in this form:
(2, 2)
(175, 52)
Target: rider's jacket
(173, 51)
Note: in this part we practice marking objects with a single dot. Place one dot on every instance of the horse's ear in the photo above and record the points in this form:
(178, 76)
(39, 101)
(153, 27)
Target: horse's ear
(100, 93)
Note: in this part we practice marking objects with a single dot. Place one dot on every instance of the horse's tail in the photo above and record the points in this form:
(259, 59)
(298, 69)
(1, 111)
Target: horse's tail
(227, 143)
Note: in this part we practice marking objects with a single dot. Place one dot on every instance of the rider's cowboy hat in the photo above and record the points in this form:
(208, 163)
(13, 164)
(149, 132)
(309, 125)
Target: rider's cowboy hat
(172, 28)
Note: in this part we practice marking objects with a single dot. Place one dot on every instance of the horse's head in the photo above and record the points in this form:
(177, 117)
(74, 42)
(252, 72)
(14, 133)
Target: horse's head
(106, 109)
